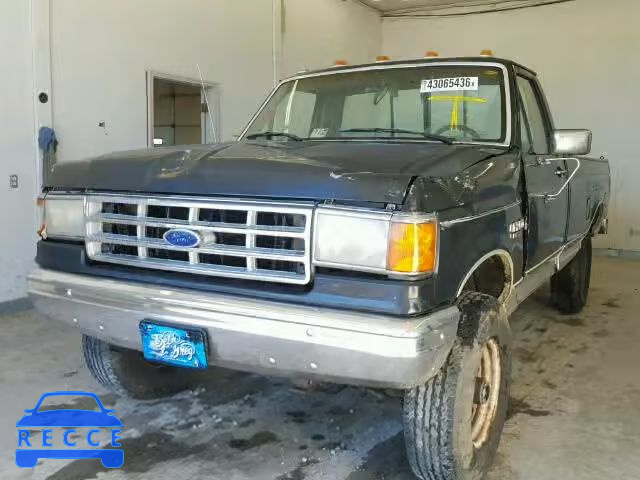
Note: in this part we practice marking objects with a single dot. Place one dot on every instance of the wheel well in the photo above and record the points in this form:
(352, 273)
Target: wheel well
(492, 274)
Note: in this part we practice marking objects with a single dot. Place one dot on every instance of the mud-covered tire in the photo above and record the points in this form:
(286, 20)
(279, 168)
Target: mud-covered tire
(128, 374)
(437, 416)
(570, 286)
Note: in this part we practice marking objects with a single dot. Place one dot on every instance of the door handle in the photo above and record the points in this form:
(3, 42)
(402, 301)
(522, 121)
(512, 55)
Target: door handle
(561, 172)
(549, 197)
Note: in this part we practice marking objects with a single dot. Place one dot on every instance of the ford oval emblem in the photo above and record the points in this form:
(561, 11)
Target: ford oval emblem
(179, 237)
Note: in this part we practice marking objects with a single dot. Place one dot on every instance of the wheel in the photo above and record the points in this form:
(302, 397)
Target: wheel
(453, 423)
(112, 458)
(127, 373)
(570, 286)
(26, 458)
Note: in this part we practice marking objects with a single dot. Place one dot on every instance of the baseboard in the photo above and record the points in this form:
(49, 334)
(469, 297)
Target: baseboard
(15, 306)
(616, 252)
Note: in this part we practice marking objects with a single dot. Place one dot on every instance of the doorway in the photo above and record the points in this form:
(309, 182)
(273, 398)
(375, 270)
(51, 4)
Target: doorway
(181, 111)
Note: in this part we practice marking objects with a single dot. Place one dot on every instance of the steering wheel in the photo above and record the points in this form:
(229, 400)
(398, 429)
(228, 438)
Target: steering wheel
(464, 128)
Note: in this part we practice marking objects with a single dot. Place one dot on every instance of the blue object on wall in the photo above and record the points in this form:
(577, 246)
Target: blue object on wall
(47, 140)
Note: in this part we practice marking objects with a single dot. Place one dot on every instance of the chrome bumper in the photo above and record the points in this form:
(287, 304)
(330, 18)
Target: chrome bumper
(254, 335)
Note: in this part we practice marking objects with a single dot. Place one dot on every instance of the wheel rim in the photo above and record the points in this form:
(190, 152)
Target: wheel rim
(486, 393)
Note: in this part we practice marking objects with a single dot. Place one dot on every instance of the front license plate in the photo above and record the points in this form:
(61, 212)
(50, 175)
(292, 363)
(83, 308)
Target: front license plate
(182, 347)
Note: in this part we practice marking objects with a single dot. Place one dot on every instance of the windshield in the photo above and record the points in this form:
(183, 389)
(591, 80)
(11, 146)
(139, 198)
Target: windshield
(444, 102)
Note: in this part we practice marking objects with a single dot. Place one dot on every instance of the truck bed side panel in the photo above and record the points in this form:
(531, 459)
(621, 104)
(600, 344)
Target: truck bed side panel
(589, 192)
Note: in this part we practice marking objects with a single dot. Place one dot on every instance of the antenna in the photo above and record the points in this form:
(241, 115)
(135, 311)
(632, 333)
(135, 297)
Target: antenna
(206, 100)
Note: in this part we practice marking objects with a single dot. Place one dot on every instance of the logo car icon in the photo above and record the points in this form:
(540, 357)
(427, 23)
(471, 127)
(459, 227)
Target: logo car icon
(28, 457)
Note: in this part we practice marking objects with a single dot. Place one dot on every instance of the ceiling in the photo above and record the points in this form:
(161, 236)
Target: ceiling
(450, 7)
(388, 6)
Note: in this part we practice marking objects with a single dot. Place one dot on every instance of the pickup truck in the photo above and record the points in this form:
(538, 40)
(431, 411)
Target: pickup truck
(373, 225)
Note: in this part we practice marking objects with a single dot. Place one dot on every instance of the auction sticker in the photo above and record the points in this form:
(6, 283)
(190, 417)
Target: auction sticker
(449, 84)
(319, 132)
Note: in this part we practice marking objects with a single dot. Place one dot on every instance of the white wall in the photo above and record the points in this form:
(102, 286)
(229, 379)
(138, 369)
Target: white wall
(17, 149)
(586, 53)
(92, 57)
(316, 33)
(101, 51)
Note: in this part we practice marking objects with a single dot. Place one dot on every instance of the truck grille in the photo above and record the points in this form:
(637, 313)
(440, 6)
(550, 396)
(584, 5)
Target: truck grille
(249, 240)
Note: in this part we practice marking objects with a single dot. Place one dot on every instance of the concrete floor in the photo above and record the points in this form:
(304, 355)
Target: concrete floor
(574, 409)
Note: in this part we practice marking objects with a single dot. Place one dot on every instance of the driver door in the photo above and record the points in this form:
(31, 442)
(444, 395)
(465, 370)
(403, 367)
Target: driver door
(544, 176)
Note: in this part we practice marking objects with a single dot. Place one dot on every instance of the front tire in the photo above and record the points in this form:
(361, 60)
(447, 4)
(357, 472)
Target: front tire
(128, 374)
(570, 286)
(453, 423)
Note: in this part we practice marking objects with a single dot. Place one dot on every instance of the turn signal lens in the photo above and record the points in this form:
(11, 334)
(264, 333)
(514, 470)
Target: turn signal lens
(412, 247)
(486, 53)
(341, 63)
(431, 54)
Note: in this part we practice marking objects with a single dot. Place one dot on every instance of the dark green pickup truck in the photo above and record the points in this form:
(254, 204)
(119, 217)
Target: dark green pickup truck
(374, 225)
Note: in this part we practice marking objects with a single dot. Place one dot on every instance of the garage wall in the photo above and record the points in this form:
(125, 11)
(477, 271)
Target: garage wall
(317, 33)
(17, 149)
(585, 52)
(101, 51)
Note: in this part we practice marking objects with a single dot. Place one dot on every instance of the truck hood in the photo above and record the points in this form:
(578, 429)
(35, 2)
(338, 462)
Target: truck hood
(345, 171)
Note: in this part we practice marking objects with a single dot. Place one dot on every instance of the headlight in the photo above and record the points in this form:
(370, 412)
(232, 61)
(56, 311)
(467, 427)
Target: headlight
(63, 217)
(396, 244)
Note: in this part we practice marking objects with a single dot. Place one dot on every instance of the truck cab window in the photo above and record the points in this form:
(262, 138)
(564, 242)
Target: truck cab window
(463, 103)
(368, 108)
(534, 116)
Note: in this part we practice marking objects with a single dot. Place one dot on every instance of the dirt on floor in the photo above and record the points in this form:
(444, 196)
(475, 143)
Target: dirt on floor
(573, 412)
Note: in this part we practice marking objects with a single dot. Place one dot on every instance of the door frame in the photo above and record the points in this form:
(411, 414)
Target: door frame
(549, 127)
(542, 100)
(211, 89)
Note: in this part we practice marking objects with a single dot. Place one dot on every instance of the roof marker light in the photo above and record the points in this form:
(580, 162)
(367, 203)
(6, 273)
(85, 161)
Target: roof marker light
(486, 53)
(431, 54)
(383, 58)
(340, 63)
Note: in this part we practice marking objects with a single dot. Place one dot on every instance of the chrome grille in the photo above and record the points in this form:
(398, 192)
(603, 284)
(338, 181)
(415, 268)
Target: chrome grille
(250, 240)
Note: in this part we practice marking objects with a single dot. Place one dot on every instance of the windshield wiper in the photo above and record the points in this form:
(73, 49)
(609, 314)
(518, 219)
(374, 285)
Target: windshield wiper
(290, 136)
(428, 136)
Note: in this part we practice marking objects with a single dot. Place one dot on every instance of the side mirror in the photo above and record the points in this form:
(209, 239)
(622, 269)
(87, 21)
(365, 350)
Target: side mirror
(572, 142)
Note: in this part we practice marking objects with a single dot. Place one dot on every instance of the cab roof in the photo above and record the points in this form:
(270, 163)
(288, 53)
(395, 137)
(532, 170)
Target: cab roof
(482, 59)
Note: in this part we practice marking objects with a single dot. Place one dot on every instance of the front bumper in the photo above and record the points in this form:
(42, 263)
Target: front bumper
(256, 335)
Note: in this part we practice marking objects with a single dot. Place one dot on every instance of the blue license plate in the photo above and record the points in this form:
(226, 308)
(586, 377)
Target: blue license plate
(181, 347)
